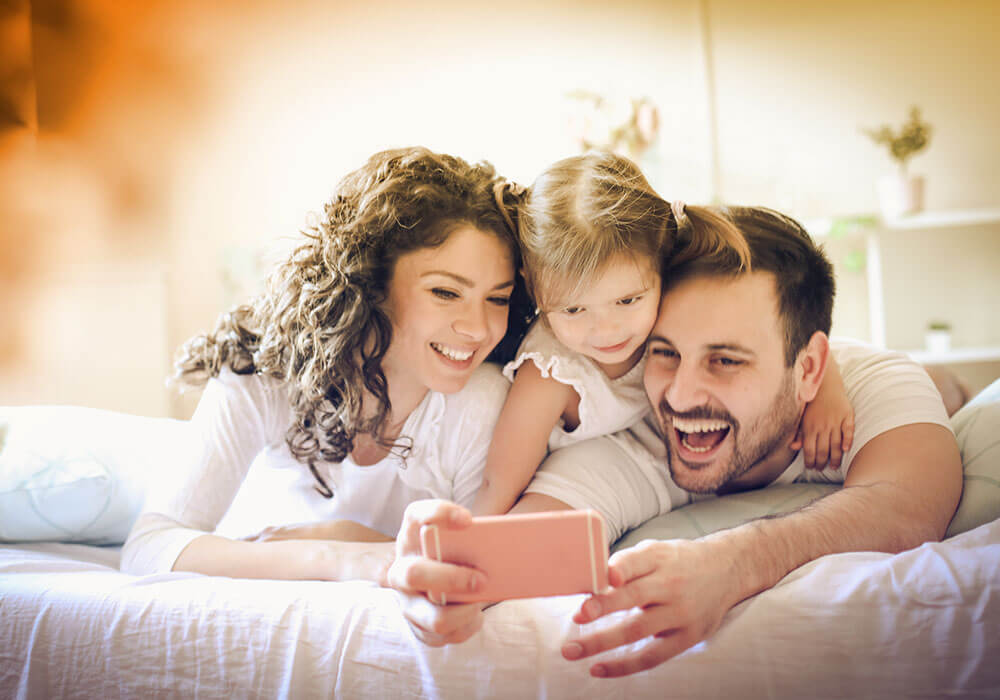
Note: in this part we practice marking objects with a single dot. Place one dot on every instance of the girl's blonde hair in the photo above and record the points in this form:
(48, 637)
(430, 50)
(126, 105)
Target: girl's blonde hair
(584, 210)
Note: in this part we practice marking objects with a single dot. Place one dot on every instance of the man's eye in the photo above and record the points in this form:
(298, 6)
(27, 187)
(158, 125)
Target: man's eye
(444, 293)
(661, 351)
(728, 362)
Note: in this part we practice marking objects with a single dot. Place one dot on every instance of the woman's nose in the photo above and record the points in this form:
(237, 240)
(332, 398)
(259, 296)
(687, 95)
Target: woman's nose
(472, 322)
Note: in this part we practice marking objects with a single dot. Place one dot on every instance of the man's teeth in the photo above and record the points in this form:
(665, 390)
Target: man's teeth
(451, 353)
(699, 426)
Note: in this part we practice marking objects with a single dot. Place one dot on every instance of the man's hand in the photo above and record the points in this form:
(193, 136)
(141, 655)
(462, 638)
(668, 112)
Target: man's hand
(412, 575)
(678, 591)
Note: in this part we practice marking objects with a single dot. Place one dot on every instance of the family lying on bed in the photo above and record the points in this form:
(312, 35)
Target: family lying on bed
(678, 353)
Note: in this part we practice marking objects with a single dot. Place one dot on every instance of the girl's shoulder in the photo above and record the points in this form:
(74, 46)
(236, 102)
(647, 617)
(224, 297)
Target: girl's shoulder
(551, 357)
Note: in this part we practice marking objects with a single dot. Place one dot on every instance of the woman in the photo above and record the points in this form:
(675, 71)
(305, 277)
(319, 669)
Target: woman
(360, 368)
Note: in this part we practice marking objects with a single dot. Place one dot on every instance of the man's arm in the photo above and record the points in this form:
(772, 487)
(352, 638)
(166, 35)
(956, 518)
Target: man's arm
(901, 491)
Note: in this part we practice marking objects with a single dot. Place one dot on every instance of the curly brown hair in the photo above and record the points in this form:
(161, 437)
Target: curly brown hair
(321, 327)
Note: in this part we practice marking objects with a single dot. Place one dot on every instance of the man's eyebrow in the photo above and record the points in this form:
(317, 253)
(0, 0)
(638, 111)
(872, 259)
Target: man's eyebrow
(731, 347)
(464, 281)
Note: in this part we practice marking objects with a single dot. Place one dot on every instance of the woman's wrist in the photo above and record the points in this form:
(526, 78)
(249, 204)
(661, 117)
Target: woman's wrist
(351, 561)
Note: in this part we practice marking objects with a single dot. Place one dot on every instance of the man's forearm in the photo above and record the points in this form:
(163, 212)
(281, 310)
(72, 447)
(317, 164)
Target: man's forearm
(873, 517)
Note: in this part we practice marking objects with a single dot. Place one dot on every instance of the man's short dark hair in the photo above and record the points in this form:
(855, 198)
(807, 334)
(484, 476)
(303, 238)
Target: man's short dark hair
(780, 245)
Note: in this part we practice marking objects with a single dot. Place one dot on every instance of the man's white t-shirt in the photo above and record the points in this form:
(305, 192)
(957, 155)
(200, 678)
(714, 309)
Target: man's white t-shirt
(242, 420)
(886, 389)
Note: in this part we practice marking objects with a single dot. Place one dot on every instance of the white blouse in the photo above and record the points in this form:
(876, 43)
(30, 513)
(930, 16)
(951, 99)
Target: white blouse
(242, 420)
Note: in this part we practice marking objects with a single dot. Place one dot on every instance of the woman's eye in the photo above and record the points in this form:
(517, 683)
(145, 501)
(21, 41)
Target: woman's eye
(444, 293)
(500, 301)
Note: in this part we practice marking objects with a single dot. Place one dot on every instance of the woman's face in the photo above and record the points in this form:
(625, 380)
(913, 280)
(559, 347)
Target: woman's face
(448, 307)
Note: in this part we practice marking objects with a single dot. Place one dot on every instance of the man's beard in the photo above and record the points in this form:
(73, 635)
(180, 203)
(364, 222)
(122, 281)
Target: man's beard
(767, 433)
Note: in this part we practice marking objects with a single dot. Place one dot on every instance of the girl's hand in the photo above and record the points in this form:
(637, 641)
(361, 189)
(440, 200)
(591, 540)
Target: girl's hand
(413, 575)
(826, 432)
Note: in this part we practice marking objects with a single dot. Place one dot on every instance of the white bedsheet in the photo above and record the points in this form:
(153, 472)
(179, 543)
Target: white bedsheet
(924, 623)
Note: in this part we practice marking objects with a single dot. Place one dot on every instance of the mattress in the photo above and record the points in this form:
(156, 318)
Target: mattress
(923, 623)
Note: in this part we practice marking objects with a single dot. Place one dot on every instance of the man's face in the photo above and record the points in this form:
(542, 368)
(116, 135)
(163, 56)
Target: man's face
(717, 380)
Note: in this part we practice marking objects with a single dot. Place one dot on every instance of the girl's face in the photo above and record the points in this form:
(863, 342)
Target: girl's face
(448, 307)
(610, 320)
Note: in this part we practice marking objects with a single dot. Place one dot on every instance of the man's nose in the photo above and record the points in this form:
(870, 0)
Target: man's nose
(684, 389)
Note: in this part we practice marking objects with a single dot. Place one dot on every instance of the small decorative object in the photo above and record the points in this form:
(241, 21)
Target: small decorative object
(625, 126)
(938, 337)
(902, 193)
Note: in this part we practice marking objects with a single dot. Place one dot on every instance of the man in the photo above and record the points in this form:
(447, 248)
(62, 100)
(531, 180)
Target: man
(732, 360)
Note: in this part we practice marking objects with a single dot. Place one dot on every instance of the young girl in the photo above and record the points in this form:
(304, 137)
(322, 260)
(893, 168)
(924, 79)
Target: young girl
(593, 233)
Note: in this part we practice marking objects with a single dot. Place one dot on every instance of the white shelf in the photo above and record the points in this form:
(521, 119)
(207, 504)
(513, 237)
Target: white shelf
(866, 224)
(956, 356)
(945, 219)
(869, 229)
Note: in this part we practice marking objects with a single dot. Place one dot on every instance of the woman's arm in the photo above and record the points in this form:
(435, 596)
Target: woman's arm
(343, 530)
(520, 440)
(288, 559)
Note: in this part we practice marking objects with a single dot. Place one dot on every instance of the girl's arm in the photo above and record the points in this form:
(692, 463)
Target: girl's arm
(520, 440)
(826, 430)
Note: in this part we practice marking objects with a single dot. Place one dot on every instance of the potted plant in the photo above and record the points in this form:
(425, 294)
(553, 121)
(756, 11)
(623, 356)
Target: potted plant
(938, 337)
(902, 193)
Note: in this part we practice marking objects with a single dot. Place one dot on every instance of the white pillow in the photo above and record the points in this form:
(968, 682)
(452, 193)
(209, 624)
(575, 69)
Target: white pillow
(977, 428)
(74, 474)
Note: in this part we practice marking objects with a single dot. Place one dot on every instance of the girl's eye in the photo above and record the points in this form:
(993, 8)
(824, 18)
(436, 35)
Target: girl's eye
(500, 301)
(628, 301)
(444, 293)
(572, 310)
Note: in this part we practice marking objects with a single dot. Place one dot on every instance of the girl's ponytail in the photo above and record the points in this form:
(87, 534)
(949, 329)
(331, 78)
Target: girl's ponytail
(707, 231)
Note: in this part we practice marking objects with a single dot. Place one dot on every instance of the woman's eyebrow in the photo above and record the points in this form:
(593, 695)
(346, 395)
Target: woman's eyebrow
(464, 281)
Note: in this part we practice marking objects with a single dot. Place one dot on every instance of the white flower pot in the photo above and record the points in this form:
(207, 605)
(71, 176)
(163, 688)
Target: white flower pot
(899, 195)
(938, 341)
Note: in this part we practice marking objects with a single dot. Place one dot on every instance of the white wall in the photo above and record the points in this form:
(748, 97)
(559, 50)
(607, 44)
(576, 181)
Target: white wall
(231, 122)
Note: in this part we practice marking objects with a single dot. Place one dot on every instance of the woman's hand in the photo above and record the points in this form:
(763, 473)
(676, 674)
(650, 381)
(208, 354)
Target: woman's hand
(413, 575)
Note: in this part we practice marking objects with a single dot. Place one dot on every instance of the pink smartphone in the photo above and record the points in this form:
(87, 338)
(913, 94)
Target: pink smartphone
(525, 556)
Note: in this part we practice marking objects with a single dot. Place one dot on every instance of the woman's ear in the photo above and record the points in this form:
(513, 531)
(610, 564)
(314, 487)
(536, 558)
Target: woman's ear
(810, 366)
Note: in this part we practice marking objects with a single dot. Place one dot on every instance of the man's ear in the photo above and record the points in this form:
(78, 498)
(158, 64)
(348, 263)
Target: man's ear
(810, 366)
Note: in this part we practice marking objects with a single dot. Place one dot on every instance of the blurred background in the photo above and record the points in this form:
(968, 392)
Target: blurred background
(156, 156)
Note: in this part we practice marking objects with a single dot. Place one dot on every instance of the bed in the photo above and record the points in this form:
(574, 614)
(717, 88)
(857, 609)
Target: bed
(923, 623)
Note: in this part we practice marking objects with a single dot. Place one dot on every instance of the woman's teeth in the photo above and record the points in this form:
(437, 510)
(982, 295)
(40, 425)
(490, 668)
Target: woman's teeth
(451, 353)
